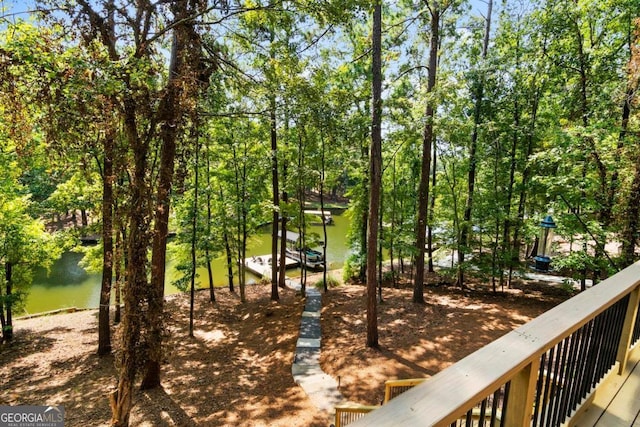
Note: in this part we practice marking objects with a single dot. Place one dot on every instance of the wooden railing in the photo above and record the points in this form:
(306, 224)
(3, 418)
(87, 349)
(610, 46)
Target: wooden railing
(540, 374)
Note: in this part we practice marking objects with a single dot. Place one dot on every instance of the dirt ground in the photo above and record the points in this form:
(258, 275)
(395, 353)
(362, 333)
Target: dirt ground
(236, 371)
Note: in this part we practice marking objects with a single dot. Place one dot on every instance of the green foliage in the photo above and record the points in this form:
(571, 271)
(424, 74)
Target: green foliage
(24, 246)
(568, 286)
(549, 130)
(353, 265)
(332, 282)
(575, 264)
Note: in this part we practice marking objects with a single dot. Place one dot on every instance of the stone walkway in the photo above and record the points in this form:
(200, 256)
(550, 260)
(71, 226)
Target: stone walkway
(321, 388)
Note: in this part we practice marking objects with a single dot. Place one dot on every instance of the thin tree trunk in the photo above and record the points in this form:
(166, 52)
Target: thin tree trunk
(274, 185)
(245, 233)
(380, 239)
(324, 222)
(473, 157)
(425, 173)
(239, 219)
(118, 261)
(393, 225)
(282, 265)
(207, 253)
(104, 326)
(362, 275)
(496, 237)
(227, 248)
(614, 184)
(7, 326)
(432, 207)
(227, 245)
(3, 321)
(515, 249)
(194, 227)
(301, 223)
(506, 231)
(303, 237)
(364, 216)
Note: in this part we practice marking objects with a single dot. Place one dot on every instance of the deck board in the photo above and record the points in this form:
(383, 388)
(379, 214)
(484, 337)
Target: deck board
(617, 402)
(623, 409)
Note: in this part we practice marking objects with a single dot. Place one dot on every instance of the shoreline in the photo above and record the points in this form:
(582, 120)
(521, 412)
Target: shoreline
(313, 277)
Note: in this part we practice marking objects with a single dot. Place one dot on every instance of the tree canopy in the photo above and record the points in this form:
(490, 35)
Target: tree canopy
(467, 125)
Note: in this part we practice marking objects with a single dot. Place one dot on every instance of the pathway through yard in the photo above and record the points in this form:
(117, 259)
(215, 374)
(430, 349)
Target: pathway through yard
(321, 388)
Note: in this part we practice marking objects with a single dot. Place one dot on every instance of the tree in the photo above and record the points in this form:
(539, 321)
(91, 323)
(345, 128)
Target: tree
(375, 173)
(435, 9)
(151, 111)
(24, 245)
(632, 206)
(471, 181)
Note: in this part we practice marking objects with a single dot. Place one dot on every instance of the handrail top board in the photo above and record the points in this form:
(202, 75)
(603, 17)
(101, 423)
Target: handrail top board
(446, 396)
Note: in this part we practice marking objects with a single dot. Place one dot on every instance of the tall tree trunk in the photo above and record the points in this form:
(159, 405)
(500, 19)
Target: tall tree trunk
(392, 234)
(240, 220)
(227, 245)
(301, 223)
(590, 150)
(274, 183)
(244, 232)
(632, 213)
(380, 234)
(375, 173)
(324, 222)
(122, 399)
(283, 228)
(473, 156)
(364, 217)
(169, 111)
(630, 226)
(506, 256)
(524, 183)
(425, 174)
(104, 327)
(194, 225)
(432, 208)
(276, 200)
(118, 261)
(212, 293)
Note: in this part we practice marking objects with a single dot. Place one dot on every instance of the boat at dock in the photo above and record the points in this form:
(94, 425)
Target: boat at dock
(306, 256)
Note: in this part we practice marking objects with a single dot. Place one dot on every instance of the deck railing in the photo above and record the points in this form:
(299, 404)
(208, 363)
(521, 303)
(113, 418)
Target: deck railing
(540, 374)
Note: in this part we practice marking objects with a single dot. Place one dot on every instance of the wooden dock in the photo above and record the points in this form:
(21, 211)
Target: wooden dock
(260, 265)
(324, 215)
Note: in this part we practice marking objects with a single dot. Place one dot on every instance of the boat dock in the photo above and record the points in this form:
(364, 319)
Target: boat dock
(260, 265)
(324, 215)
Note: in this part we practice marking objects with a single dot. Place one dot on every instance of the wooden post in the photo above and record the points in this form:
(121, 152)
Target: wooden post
(627, 329)
(521, 395)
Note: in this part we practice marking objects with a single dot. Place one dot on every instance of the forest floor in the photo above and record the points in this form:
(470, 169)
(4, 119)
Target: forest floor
(236, 370)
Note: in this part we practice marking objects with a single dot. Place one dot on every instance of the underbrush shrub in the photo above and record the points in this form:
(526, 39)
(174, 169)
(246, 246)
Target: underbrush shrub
(332, 282)
(352, 267)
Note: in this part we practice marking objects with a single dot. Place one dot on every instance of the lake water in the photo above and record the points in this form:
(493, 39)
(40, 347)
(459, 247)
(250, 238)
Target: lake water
(69, 285)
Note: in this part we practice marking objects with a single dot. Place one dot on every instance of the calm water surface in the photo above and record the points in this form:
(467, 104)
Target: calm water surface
(69, 285)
